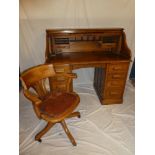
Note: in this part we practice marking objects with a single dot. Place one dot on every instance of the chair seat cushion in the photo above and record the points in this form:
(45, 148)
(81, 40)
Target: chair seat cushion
(59, 104)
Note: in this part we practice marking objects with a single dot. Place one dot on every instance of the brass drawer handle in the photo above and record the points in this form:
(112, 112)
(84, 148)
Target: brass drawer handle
(114, 83)
(60, 69)
(114, 93)
(117, 68)
(116, 76)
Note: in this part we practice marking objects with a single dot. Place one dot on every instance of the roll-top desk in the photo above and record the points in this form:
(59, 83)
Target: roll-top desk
(104, 49)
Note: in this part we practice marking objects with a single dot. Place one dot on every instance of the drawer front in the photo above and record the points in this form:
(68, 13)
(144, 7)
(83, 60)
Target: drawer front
(59, 79)
(62, 68)
(113, 93)
(60, 87)
(118, 67)
(115, 83)
(117, 76)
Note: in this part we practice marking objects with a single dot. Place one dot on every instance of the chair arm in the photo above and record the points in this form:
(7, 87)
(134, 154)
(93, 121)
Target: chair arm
(71, 75)
(32, 97)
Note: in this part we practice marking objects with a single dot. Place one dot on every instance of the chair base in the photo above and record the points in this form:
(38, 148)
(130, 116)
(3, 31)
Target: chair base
(64, 126)
(40, 140)
(74, 114)
(42, 132)
(71, 138)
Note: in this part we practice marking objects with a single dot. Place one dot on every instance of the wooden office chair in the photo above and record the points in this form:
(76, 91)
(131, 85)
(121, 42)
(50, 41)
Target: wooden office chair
(53, 107)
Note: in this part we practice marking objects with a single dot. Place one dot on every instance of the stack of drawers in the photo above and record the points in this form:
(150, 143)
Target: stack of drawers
(59, 82)
(115, 82)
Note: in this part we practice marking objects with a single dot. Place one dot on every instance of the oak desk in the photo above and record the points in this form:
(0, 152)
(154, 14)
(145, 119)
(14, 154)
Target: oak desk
(104, 49)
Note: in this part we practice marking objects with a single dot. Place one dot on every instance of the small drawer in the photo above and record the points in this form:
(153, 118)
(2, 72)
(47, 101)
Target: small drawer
(59, 78)
(56, 82)
(62, 68)
(115, 83)
(116, 76)
(61, 87)
(118, 67)
(113, 93)
(62, 46)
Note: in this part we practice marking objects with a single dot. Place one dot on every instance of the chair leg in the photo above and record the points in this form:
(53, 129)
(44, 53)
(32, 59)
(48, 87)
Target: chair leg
(74, 114)
(42, 132)
(63, 123)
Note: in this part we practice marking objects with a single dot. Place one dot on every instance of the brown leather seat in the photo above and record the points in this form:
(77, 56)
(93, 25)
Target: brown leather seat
(59, 104)
(50, 105)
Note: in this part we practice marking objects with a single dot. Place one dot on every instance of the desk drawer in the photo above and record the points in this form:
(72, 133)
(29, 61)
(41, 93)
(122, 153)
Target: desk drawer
(62, 68)
(59, 78)
(59, 87)
(116, 76)
(113, 93)
(115, 83)
(118, 67)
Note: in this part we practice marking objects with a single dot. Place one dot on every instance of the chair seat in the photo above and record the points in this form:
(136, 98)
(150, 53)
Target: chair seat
(59, 104)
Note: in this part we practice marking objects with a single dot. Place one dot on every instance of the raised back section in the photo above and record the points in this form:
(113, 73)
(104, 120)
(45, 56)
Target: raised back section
(83, 40)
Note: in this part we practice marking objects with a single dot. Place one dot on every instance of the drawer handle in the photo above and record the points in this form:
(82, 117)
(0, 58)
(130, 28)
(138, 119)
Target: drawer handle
(60, 70)
(117, 68)
(114, 83)
(114, 93)
(116, 76)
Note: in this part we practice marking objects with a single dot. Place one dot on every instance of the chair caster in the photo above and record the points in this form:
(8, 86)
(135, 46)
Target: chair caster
(79, 116)
(39, 140)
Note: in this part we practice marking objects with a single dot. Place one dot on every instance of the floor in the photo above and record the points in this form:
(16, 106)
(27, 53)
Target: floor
(101, 130)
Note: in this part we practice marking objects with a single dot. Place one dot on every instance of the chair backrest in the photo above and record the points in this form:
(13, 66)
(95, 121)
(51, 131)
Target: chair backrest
(35, 77)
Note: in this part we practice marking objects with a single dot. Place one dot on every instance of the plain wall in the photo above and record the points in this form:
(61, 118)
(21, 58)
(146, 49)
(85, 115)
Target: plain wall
(38, 15)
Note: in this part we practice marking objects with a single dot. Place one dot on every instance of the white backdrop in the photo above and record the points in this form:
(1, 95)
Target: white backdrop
(38, 15)
(102, 129)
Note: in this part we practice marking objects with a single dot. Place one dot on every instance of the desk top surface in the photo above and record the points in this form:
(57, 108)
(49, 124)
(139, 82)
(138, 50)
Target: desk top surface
(87, 57)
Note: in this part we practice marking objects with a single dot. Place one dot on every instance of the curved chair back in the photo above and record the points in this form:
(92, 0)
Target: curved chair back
(35, 77)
